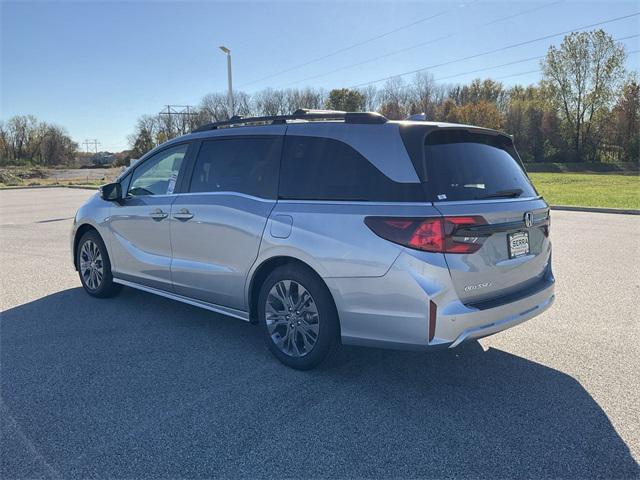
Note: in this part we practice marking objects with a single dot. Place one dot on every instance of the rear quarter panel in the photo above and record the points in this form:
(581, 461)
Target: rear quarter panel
(333, 238)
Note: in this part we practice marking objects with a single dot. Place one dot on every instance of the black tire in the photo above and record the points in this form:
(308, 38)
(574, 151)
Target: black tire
(105, 287)
(328, 336)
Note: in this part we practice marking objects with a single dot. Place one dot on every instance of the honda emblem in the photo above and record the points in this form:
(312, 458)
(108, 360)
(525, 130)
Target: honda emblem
(528, 219)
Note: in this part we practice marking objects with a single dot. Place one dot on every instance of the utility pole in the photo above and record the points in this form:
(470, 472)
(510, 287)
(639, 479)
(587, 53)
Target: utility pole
(229, 80)
(93, 142)
(183, 113)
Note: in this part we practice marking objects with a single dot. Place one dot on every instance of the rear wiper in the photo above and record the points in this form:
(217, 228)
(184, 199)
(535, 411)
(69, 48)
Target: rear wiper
(512, 193)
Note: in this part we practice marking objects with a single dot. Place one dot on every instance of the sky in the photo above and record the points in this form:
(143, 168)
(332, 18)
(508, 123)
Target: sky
(95, 67)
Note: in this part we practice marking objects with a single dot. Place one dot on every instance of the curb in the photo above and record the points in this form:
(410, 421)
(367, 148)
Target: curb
(571, 208)
(25, 187)
(21, 187)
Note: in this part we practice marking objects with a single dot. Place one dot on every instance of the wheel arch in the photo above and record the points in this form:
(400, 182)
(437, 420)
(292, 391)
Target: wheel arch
(81, 230)
(262, 272)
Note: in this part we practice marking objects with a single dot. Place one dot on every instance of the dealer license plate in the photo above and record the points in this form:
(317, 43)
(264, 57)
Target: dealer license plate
(518, 244)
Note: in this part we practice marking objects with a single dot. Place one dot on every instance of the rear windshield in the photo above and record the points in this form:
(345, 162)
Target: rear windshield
(461, 165)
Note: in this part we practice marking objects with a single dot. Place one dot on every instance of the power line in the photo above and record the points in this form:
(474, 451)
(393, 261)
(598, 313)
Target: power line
(539, 57)
(524, 12)
(627, 37)
(412, 47)
(538, 69)
(357, 44)
(183, 115)
(518, 74)
(489, 68)
(507, 47)
(178, 110)
(364, 62)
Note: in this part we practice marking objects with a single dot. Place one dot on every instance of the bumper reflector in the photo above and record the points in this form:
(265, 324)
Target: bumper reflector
(433, 311)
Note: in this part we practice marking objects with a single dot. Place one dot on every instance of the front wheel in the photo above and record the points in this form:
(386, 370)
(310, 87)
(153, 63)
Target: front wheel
(298, 317)
(94, 266)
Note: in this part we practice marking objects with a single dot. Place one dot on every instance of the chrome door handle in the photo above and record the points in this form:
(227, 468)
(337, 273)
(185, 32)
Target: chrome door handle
(183, 214)
(158, 214)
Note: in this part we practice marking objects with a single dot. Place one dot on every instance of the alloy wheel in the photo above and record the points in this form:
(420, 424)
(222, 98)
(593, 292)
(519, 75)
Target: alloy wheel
(91, 265)
(292, 318)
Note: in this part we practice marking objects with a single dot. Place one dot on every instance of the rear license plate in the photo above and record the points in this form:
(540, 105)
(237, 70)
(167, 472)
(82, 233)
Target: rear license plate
(518, 244)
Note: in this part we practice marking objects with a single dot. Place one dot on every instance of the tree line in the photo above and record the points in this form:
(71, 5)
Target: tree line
(25, 139)
(585, 108)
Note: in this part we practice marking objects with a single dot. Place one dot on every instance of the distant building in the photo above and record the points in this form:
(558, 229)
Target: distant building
(103, 158)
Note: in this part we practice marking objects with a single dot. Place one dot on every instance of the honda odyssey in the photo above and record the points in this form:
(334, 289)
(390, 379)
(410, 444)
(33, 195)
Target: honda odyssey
(328, 228)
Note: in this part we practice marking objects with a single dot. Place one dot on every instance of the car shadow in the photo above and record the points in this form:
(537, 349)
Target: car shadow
(140, 386)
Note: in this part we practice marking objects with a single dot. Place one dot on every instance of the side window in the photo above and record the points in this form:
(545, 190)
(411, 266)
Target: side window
(158, 175)
(315, 168)
(244, 165)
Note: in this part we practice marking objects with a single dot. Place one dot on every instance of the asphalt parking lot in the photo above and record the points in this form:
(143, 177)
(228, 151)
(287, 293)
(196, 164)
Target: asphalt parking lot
(140, 386)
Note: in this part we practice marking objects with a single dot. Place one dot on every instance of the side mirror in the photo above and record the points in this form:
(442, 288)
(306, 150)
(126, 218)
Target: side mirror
(111, 192)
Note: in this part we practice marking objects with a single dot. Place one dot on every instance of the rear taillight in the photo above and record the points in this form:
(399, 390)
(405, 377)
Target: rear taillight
(434, 234)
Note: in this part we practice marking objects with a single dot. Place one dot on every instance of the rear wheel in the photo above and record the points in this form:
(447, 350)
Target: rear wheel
(94, 266)
(298, 317)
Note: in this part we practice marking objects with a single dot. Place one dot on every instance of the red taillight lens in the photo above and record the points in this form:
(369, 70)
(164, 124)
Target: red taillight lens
(436, 234)
(458, 243)
(428, 236)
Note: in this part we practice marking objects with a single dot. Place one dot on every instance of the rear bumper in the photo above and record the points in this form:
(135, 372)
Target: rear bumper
(541, 302)
(392, 311)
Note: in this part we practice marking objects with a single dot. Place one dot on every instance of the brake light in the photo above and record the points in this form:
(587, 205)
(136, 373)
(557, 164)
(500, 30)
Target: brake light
(433, 234)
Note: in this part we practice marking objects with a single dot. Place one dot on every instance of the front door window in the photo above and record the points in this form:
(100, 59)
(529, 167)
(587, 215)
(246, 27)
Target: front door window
(158, 175)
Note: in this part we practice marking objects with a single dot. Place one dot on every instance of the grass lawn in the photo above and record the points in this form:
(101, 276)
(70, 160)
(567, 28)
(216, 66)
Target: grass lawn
(589, 190)
(580, 189)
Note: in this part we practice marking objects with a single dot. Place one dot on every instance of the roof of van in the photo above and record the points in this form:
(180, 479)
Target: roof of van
(302, 116)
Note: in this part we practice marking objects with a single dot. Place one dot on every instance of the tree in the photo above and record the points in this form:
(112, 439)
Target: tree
(306, 98)
(528, 117)
(145, 137)
(270, 102)
(626, 121)
(479, 91)
(482, 114)
(214, 107)
(370, 98)
(345, 99)
(24, 139)
(582, 76)
(56, 147)
(394, 99)
(447, 111)
(425, 95)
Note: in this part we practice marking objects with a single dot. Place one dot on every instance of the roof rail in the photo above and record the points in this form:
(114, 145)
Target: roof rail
(300, 114)
(309, 111)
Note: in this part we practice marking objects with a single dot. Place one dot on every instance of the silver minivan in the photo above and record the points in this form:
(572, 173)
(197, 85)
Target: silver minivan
(328, 228)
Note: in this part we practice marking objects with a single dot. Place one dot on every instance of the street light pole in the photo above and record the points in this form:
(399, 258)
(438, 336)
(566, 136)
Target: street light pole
(230, 92)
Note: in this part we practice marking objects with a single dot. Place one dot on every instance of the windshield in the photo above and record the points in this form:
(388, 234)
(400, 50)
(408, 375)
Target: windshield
(462, 165)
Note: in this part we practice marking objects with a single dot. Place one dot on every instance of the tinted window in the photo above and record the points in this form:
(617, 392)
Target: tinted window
(315, 168)
(468, 166)
(158, 174)
(243, 165)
